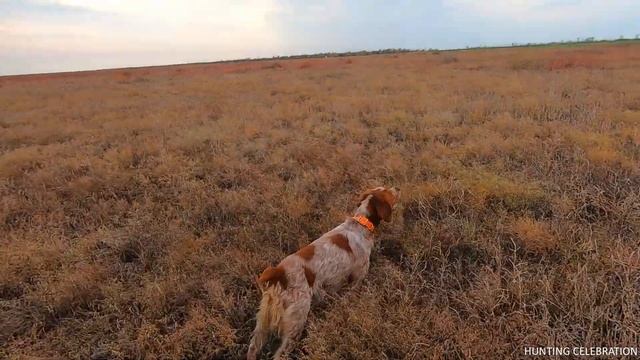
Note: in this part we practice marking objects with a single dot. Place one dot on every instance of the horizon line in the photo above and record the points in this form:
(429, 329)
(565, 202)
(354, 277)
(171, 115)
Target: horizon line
(585, 41)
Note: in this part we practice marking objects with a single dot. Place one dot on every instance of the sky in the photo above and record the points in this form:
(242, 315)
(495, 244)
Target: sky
(39, 36)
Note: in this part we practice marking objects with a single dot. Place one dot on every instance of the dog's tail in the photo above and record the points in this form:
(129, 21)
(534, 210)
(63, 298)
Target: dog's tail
(272, 282)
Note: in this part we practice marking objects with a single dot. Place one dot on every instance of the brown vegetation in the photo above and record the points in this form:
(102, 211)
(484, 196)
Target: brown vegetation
(138, 206)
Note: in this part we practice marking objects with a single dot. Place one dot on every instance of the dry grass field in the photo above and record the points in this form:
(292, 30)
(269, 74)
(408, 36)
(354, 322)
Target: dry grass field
(138, 205)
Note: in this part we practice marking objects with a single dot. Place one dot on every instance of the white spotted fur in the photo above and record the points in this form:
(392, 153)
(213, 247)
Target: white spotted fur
(285, 311)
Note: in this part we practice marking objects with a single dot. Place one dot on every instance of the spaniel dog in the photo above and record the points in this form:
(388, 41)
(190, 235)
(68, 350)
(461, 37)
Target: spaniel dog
(339, 257)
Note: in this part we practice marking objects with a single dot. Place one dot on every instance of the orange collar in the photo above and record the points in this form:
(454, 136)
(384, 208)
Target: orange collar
(362, 220)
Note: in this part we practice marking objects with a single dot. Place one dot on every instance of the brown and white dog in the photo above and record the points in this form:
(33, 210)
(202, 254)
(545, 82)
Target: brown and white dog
(339, 257)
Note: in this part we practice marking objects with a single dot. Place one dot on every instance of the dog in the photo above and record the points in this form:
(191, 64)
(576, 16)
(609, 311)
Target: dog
(337, 258)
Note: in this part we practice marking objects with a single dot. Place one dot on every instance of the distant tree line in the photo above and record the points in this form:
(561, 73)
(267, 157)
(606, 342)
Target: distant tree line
(436, 51)
(328, 54)
(579, 40)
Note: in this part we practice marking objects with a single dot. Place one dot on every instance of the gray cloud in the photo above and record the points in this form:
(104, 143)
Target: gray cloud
(372, 25)
(41, 36)
(18, 9)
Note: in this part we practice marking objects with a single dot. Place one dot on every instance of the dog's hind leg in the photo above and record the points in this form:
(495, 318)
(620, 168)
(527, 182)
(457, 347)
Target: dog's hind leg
(292, 325)
(260, 335)
(267, 319)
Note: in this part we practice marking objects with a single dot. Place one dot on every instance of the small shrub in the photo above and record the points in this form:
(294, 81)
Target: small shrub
(449, 59)
(527, 64)
(533, 235)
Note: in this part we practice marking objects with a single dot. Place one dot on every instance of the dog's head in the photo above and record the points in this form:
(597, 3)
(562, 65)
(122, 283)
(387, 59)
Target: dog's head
(378, 203)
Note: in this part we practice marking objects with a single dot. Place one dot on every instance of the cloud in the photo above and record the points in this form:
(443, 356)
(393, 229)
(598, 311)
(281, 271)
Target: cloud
(544, 10)
(522, 21)
(219, 14)
(25, 8)
(234, 28)
(316, 26)
(190, 31)
(48, 35)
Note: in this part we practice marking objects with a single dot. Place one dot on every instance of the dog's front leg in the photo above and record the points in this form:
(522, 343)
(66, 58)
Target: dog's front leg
(320, 296)
(358, 274)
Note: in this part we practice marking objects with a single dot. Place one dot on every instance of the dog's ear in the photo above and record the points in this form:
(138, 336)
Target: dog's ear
(365, 194)
(381, 207)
